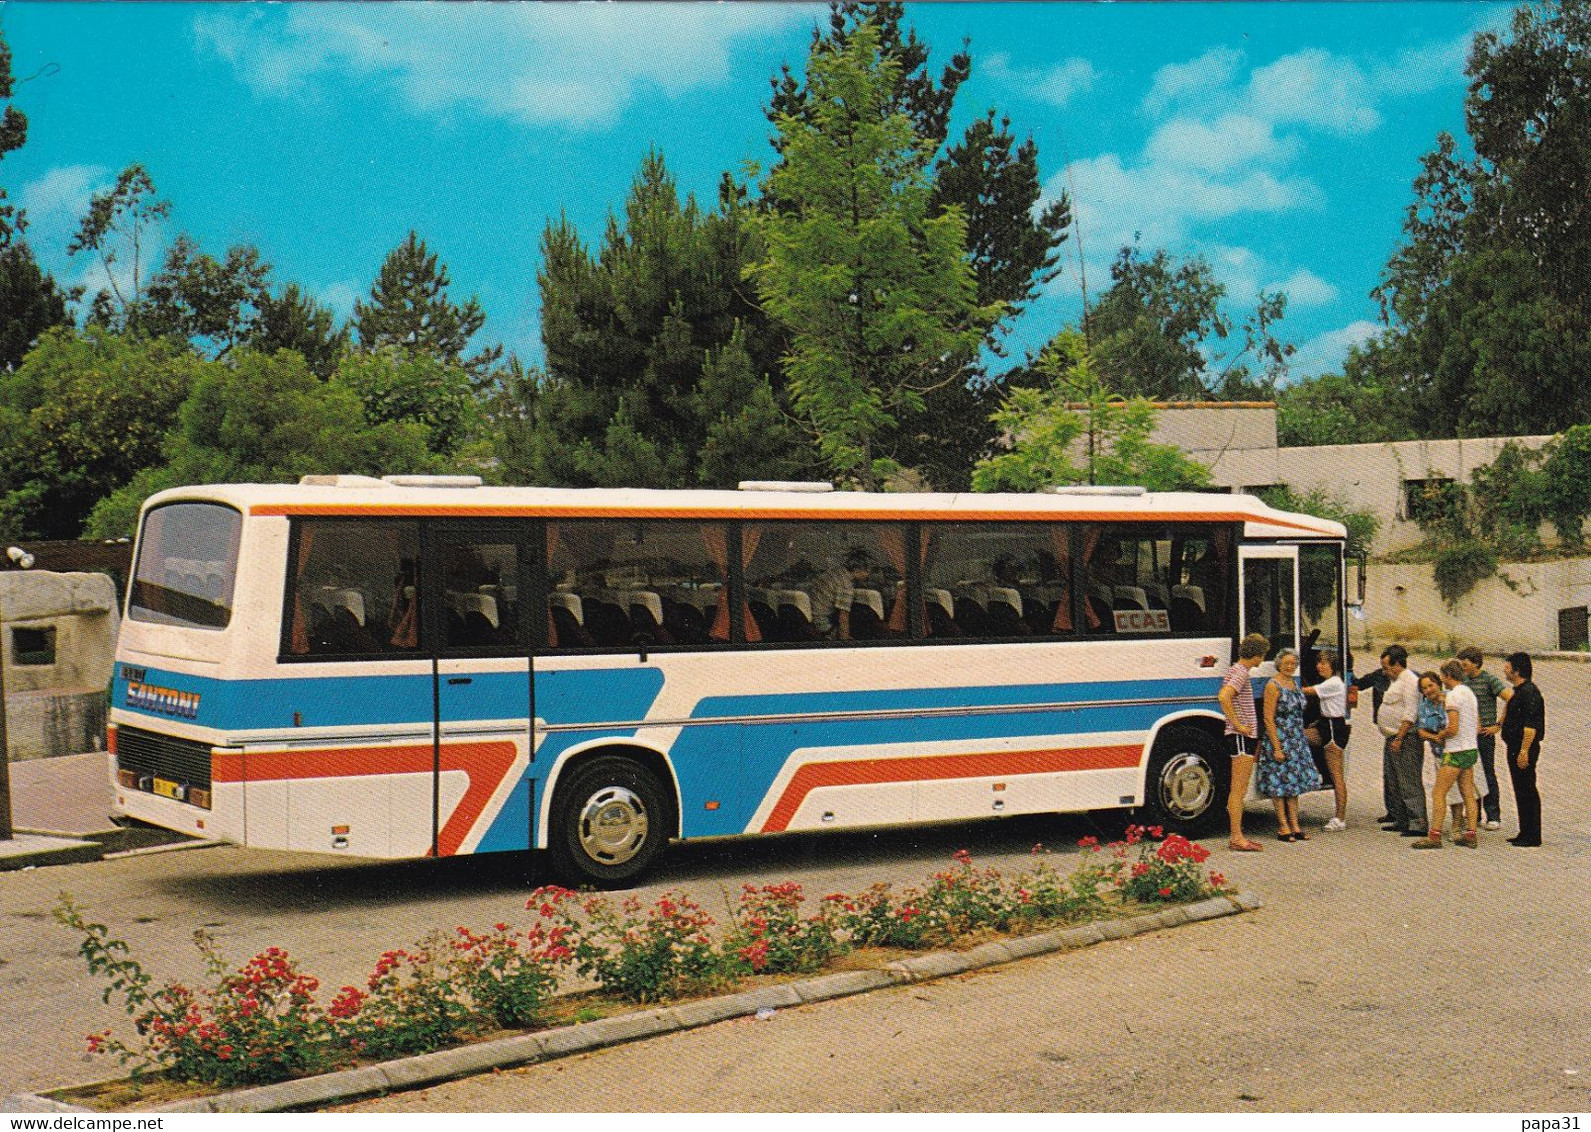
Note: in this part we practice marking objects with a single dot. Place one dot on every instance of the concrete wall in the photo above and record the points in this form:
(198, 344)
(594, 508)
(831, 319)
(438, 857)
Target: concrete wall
(1402, 604)
(1371, 476)
(59, 708)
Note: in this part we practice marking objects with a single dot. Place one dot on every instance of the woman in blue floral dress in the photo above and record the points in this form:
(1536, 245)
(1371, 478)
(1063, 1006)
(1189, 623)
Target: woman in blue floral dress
(1284, 767)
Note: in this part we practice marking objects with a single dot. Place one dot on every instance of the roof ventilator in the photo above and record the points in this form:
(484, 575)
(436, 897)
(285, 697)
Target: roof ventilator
(432, 481)
(1095, 489)
(816, 486)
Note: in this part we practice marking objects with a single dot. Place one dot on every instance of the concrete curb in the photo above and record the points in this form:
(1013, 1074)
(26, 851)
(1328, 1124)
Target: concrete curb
(33, 850)
(522, 1049)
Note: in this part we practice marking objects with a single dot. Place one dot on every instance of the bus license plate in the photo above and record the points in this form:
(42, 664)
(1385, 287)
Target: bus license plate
(168, 789)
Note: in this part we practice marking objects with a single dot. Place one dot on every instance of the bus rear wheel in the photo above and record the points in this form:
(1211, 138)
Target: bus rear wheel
(609, 822)
(1187, 783)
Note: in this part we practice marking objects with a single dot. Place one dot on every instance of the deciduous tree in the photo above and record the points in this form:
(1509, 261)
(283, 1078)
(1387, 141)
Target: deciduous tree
(874, 289)
(1074, 429)
(265, 419)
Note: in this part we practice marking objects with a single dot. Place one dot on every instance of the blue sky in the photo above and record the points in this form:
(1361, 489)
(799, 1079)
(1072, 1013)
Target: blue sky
(1279, 141)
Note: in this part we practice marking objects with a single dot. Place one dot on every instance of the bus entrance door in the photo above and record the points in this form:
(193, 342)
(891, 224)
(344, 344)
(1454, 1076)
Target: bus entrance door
(1268, 597)
(482, 738)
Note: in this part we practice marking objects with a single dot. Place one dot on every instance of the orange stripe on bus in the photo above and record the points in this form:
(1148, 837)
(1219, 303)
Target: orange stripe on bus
(531, 511)
(938, 768)
(484, 764)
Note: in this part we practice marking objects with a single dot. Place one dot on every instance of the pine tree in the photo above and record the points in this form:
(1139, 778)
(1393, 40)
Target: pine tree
(294, 321)
(409, 309)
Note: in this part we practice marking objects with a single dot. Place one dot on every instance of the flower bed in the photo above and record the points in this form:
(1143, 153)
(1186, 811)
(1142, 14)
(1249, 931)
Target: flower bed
(263, 1022)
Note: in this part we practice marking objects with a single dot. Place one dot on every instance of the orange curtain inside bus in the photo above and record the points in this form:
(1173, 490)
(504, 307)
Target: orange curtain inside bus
(716, 541)
(300, 631)
(1061, 541)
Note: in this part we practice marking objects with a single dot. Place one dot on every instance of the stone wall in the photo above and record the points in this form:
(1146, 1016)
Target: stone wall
(56, 707)
(1402, 604)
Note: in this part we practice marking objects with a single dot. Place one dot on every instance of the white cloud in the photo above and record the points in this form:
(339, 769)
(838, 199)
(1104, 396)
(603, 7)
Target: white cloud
(577, 65)
(1228, 141)
(340, 297)
(1198, 78)
(1056, 85)
(1325, 353)
(1304, 288)
(1314, 88)
(55, 204)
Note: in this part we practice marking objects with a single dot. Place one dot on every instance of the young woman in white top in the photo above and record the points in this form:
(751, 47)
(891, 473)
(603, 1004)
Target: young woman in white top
(1459, 755)
(1333, 696)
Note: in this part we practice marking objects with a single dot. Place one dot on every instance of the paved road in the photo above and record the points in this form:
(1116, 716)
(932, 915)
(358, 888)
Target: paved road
(1375, 978)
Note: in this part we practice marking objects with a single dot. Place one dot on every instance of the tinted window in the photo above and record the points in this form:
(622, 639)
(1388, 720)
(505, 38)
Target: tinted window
(625, 583)
(187, 565)
(999, 580)
(1141, 579)
(480, 592)
(825, 581)
(353, 588)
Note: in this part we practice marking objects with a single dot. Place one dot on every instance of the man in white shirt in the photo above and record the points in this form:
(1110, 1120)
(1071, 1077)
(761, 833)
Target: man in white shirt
(1460, 751)
(1402, 750)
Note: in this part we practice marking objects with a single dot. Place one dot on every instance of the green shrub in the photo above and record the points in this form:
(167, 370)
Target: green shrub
(1460, 566)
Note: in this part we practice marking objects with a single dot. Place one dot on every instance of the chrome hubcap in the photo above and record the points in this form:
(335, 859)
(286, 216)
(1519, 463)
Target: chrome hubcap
(1187, 786)
(613, 825)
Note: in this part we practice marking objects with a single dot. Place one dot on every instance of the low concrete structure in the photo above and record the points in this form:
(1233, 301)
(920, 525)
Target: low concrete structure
(1520, 609)
(58, 645)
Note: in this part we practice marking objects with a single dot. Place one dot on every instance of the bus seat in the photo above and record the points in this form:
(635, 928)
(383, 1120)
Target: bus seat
(866, 624)
(799, 599)
(1186, 617)
(569, 603)
(1195, 594)
(351, 600)
(1100, 607)
(647, 599)
(942, 599)
(870, 598)
(1156, 593)
(1004, 595)
(767, 621)
(1130, 597)
(940, 622)
(972, 617)
(792, 624)
(684, 622)
(606, 622)
(567, 632)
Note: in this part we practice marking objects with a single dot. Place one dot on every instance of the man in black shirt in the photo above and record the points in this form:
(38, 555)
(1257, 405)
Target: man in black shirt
(1524, 726)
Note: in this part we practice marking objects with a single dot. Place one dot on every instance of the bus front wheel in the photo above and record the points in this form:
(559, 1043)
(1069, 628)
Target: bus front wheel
(1187, 783)
(609, 822)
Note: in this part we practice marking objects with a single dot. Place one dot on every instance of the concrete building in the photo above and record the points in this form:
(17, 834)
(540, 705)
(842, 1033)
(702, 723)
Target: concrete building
(1540, 607)
(1238, 443)
(58, 644)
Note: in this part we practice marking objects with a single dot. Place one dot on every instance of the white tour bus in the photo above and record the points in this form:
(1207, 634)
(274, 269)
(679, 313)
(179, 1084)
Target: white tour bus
(414, 666)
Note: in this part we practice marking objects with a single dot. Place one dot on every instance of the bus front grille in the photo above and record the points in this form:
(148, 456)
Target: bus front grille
(161, 764)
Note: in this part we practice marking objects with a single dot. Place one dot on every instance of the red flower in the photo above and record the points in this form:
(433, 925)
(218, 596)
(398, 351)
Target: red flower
(1165, 892)
(1088, 842)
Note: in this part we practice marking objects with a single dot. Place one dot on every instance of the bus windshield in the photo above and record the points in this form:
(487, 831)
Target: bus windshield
(187, 564)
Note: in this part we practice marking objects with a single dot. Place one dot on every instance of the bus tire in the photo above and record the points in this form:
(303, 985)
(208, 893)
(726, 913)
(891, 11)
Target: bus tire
(609, 822)
(1185, 790)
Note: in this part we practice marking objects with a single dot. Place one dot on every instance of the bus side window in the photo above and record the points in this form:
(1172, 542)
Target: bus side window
(353, 589)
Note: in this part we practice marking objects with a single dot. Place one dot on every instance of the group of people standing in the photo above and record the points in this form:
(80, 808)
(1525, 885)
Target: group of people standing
(1460, 710)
